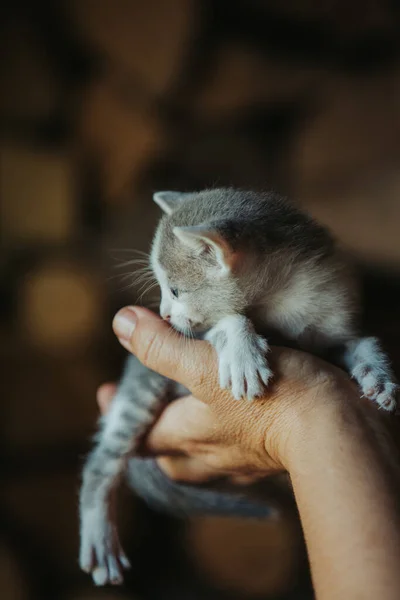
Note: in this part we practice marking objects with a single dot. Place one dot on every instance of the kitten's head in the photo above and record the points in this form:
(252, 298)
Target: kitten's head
(223, 251)
(194, 264)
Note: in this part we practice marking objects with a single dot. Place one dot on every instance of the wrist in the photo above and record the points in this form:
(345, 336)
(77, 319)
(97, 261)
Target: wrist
(313, 417)
(345, 483)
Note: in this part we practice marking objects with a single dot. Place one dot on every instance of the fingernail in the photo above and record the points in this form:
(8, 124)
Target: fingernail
(124, 323)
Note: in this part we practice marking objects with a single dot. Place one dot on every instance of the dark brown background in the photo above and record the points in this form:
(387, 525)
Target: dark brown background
(102, 103)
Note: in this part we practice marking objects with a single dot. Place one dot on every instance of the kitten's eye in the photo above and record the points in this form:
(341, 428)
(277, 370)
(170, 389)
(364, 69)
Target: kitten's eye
(174, 292)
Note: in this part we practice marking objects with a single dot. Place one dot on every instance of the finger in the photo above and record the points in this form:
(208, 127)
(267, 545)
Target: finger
(183, 424)
(105, 394)
(187, 469)
(163, 350)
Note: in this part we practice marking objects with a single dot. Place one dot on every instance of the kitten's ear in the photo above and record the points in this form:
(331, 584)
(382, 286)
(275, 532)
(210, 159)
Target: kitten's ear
(168, 201)
(205, 239)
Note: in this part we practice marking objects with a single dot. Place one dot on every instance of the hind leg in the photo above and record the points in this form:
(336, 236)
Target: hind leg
(133, 410)
(100, 551)
(370, 367)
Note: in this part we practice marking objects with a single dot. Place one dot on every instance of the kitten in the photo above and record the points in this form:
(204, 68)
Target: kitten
(242, 270)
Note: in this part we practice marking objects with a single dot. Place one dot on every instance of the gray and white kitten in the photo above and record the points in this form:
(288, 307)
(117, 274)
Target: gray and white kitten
(242, 270)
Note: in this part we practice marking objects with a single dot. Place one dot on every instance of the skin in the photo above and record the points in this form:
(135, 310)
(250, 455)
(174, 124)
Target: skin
(311, 423)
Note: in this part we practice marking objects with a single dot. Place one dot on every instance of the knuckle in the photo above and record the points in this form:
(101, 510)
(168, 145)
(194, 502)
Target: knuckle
(191, 447)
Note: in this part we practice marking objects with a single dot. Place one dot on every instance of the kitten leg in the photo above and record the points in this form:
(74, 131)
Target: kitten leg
(370, 367)
(243, 366)
(132, 412)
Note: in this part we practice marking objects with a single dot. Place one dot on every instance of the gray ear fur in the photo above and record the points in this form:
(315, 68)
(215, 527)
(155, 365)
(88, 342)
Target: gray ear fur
(201, 237)
(168, 201)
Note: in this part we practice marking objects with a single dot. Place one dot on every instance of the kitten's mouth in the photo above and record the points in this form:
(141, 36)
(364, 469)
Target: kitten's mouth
(189, 330)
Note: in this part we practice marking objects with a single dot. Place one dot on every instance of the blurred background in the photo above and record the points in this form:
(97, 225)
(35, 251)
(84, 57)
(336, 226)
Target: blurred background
(102, 103)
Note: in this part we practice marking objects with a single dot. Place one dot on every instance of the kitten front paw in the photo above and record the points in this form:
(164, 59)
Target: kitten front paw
(101, 553)
(243, 366)
(244, 371)
(377, 385)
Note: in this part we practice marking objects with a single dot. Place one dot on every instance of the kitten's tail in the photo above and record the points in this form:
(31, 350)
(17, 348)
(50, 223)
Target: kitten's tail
(181, 500)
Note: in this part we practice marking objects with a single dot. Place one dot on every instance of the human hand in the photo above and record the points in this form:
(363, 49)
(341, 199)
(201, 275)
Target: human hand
(311, 422)
(210, 434)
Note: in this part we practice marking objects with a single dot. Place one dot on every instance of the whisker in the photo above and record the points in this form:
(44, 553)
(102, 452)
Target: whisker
(147, 290)
(132, 250)
(190, 337)
(172, 333)
(144, 281)
(153, 305)
(123, 276)
(144, 275)
(128, 287)
(125, 288)
(140, 280)
(134, 261)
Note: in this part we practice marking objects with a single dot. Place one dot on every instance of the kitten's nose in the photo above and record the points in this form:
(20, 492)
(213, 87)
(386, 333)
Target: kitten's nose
(167, 318)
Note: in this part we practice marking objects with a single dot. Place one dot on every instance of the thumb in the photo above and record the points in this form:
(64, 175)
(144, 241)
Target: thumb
(162, 349)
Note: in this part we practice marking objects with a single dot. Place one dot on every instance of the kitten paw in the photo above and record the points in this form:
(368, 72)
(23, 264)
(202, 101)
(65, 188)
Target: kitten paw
(101, 554)
(377, 386)
(243, 367)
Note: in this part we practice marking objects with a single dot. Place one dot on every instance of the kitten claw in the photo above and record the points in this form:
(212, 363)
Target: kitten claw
(124, 562)
(115, 576)
(243, 367)
(266, 375)
(255, 388)
(244, 371)
(100, 576)
(101, 554)
(224, 375)
(376, 386)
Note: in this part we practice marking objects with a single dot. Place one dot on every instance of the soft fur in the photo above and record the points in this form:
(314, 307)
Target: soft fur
(242, 270)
